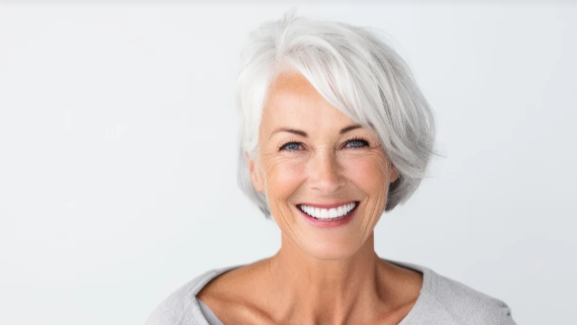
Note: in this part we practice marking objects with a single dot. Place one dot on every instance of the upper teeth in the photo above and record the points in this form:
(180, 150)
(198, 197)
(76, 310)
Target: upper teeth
(328, 213)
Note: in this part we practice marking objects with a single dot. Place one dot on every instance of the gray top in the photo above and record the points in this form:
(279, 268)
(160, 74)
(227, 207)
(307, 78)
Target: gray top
(442, 301)
(208, 314)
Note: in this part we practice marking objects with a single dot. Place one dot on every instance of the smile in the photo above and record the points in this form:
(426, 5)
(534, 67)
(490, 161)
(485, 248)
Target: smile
(328, 215)
(333, 213)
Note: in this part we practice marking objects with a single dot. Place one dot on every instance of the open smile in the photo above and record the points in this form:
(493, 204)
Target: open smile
(328, 215)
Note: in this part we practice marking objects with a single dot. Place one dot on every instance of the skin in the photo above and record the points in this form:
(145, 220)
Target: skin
(319, 276)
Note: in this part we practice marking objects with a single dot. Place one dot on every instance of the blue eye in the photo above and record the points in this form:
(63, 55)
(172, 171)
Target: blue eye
(358, 141)
(290, 146)
(295, 146)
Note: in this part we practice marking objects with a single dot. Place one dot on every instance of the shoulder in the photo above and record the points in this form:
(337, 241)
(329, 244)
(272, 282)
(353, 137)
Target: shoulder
(180, 307)
(469, 306)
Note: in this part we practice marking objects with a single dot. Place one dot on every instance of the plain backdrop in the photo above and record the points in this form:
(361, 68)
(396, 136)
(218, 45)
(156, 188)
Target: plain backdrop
(118, 158)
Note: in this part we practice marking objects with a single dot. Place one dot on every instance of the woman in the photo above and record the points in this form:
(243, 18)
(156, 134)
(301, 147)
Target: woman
(334, 132)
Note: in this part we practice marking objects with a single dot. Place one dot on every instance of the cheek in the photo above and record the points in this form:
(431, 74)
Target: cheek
(284, 176)
(368, 172)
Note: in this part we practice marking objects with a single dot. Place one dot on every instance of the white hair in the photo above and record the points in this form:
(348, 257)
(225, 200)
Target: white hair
(354, 71)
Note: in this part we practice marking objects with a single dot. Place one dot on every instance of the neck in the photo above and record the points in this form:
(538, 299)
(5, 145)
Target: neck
(315, 291)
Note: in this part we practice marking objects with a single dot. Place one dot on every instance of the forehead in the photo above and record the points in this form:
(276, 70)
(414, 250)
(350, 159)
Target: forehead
(291, 86)
(292, 95)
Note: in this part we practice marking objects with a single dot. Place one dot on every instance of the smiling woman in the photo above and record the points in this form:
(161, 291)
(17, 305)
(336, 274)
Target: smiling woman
(334, 132)
(313, 155)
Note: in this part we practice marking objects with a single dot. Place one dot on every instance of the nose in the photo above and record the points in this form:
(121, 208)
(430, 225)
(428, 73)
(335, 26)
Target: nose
(324, 172)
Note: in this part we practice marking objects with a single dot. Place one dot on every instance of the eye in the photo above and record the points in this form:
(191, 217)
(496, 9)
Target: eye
(294, 144)
(290, 146)
(358, 143)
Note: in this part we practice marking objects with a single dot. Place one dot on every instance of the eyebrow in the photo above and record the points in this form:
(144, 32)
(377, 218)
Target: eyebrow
(304, 134)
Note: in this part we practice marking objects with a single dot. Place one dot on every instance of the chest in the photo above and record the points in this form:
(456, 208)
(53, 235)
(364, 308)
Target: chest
(230, 313)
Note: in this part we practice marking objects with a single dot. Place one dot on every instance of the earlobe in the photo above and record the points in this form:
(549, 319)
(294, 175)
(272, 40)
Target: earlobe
(255, 175)
(393, 175)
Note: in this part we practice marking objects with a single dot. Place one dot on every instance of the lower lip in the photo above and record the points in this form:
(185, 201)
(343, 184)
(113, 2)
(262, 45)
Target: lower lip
(329, 223)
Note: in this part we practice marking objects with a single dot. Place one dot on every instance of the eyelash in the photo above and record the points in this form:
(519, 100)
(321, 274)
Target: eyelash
(366, 143)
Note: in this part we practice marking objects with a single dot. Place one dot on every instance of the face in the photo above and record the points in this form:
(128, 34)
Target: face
(311, 153)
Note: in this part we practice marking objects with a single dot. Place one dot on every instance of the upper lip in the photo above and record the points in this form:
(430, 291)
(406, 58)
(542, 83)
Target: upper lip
(326, 205)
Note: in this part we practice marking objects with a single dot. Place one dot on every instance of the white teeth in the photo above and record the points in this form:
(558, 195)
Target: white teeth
(328, 213)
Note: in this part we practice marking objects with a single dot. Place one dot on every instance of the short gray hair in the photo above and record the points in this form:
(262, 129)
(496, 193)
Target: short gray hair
(354, 71)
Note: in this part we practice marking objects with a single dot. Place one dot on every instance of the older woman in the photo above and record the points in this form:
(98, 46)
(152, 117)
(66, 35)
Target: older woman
(333, 132)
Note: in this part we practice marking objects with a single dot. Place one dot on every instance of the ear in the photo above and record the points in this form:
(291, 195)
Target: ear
(255, 175)
(393, 174)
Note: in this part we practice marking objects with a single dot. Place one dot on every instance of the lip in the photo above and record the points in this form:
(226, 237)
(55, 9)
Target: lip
(327, 206)
(330, 223)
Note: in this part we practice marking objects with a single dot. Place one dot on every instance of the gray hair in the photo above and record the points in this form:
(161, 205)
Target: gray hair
(354, 71)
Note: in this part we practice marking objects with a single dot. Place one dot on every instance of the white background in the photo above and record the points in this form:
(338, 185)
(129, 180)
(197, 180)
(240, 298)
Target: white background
(118, 158)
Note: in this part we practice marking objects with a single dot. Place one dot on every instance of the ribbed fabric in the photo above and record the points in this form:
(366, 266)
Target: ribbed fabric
(442, 301)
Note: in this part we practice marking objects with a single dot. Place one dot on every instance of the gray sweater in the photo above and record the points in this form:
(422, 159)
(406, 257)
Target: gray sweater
(442, 301)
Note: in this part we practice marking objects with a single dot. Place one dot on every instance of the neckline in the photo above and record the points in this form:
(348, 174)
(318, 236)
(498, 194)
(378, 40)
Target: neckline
(427, 286)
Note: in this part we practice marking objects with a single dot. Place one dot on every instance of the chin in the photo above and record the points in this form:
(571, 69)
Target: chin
(330, 250)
